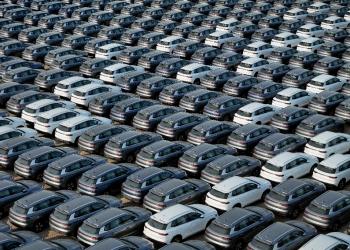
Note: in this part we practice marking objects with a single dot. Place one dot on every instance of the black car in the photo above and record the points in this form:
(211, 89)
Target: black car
(166, 27)
(216, 79)
(253, 17)
(291, 25)
(196, 100)
(172, 94)
(344, 71)
(123, 20)
(66, 26)
(200, 34)
(336, 35)
(151, 60)
(202, 8)
(316, 18)
(68, 10)
(245, 5)
(298, 78)
(278, 10)
(264, 35)
(69, 62)
(151, 87)
(194, 18)
(212, 21)
(326, 102)
(115, 6)
(5, 21)
(301, 4)
(101, 17)
(338, 10)
(236, 44)
(289, 118)
(170, 67)
(52, 7)
(94, 44)
(111, 32)
(36, 53)
(240, 85)
(155, 13)
(342, 111)
(329, 65)
(21, 75)
(184, 30)
(131, 36)
(265, 91)
(304, 59)
(282, 54)
(205, 55)
(335, 49)
(18, 14)
(237, 14)
(134, 9)
(151, 40)
(132, 55)
(31, 34)
(245, 30)
(271, 21)
(187, 49)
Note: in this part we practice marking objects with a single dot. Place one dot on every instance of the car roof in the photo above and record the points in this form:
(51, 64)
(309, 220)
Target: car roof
(265, 84)
(325, 137)
(285, 34)
(171, 38)
(105, 215)
(75, 204)
(326, 94)
(34, 198)
(53, 112)
(156, 146)
(193, 66)
(4, 129)
(248, 128)
(230, 20)
(289, 91)
(274, 232)
(328, 198)
(171, 213)
(98, 129)
(75, 120)
(89, 87)
(229, 218)
(165, 187)
(144, 173)
(297, 71)
(257, 44)
(14, 141)
(101, 169)
(309, 25)
(230, 184)
(287, 111)
(322, 241)
(63, 161)
(328, 59)
(335, 160)
(288, 186)
(314, 119)
(274, 138)
(252, 60)
(40, 103)
(207, 125)
(323, 77)
(251, 107)
(332, 18)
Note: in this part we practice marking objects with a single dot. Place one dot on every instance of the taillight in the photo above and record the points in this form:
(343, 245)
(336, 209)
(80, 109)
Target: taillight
(161, 234)
(222, 238)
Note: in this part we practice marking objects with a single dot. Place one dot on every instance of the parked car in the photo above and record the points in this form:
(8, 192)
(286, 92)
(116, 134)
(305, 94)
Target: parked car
(256, 112)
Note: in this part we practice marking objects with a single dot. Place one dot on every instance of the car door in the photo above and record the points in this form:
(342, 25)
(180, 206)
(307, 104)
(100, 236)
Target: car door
(189, 194)
(267, 115)
(342, 208)
(253, 191)
(196, 221)
(181, 226)
(292, 240)
(304, 166)
(130, 224)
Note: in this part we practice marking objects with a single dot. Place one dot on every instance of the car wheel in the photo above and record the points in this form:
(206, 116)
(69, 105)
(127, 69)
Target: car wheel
(2, 213)
(302, 148)
(256, 74)
(295, 213)
(341, 129)
(258, 123)
(130, 158)
(52, 88)
(38, 226)
(97, 76)
(261, 56)
(239, 245)
(181, 137)
(102, 150)
(237, 205)
(197, 82)
(341, 184)
(71, 185)
(39, 176)
(256, 172)
(227, 118)
(177, 239)
(203, 198)
(76, 141)
(264, 195)
(335, 226)
(312, 169)
(331, 113)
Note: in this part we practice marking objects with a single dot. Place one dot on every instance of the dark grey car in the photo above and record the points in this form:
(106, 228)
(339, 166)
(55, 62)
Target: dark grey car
(318, 214)
(12, 48)
(245, 138)
(184, 29)
(33, 211)
(34, 17)
(10, 191)
(131, 55)
(31, 34)
(47, 22)
(326, 102)
(228, 166)
(239, 85)
(17, 239)
(84, 13)
(126, 145)
(93, 67)
(51, 38)
(137, 185)
(123, 20)
(31, 164)
(150, 40)
(58, 244)
(335, 49)
(196, 100)
(21, 75)
(75, 41)
(172, 94)
(13, 148)
(264, 92)
(131, 36)
(282, 54)
(166, 27)
(298, 78)
(287, 119)
(111, 32)
(292, 196)
(68, 217)
(66, 26)
(342, 111)
(238, 226)
(305, 60)
(215, 79)
(64, 172)
(12, 88)
(12, 30)
(37, 52)
(113, 222)
(151, 87)
(57, 53)
(48, 79)
(68, 62)
(317, 124)
(282, 236)
(175, 191)
(277, 143)
(88, 29)
(228, 60)
(130, 243)
(195, 159)
(92, 46)
(236, 44)
(200, 34)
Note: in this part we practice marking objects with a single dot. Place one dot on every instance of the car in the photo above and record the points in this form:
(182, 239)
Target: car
(18, 239)
(155, 12)
(67, 26)
(334, 22)
(237, 191)
(316, 17)
(186, 49)
(12, 30)
(270, 21)
(318, 7)
(331, 239)
(278, 10)
(109, 51)
(326, 102)
(36, 208)
(193, 72)
(245, 138)
(200, 34)
(170, 67)
(130, 81)
(34, 17)
(137, 185)
(10, 191)
(264, 35)
(227, 25)
(227, 166)
(131, 55)
(21, 75)
(326, 83)
(101, 17)
(31, 34)
(218, 38)
(11, 149)
(253, 17)
(4, 59)
(64, 172)
(168, 44)
(335, 35)
(92, 46)
(18, 102)
(151, 60)
(68, 10)
(146, 23)
(111, 74)
(135, 242)
(265, 91)
(286, 39)
(278, 143)
(292, 97)
(194, 18)
(258, 49)
(251, 66)
(83, 13)
(66, 87)
(305, 60)
(334, 49)
(205, 55)
(311, 30)
(194, 160)
(229, 61)
(49, 79)
(18, 63)
(247, 222)
(288, 165)
(36, 53)
(75, 41)
(275, 236)
(295, 13)
(132, 36)
(51, 38)
(52, 7)
(111, 32)
(310, 44)
(12, 88)
(113, 221)
(291, 26)
(244, 30)
(245, 5)
(48, 22)
(342, 110)
(68, 62)
(257, 113)
(183, 6)
(319, 215)
(236, 44)
(196, 100)
(298, 78)
(338, 9)
(123, 20)
(239, 85)
(33, 110)
(12, 48)
(52, 54)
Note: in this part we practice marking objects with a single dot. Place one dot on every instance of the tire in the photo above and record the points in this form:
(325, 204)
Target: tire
(226, 118)
(203, 199)
(302, 148)
(102, 150)
(130, 158)
(181, 137)
(331, 113)
(258, 123)
(341, 129)
(256, 74)
(52, 89)
(113, 58)
(312, 169)
(239, 245)
(39, 176)
(71, 185)
(197, 82)
(303, 86)
(177, 239)
(97, 76)
(76, 141)
(261, 56)
(2, 213)
(237, 205)
(295, 213)
(341, 184)
(264, 195)
(256, 172)
(38, 226)
(335, 226)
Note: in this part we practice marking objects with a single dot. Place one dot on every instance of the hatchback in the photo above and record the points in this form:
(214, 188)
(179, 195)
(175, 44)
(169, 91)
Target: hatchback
(172, 94)
(239, 85)
(187, 49)
(68, 62)
(131, 55)
(76, 42)
(328, 65)
(111, 32)
(264, 35)
(92, 46)
(51, 55)
(255, 113)
(326, 102)
(326, 83)
(68, 10)
(37, 52)
(336, 35)
(31, 34)
(291, 25)
(12, 30)
(306, 60)
(298, 78)
(236, 44)
(123, 20)
(34, 17)
(48, 22)
(155, 13)
(342, 111)
(151, 60)
(334, 49)
(245, 30)
(170, 67)
(196, 100)
(229, 61)
(21, 75)
(292, 97)
(51, 38)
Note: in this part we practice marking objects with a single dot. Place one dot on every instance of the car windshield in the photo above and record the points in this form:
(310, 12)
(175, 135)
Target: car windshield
(317, 144)
(157, 224)
(61, 216)
(155, 197)
(261, 245)
(213, 171)
(244, 113)
(220, 229)
(20, 210)
(326, 169)
(318, 209)
(273, 167)
(282, 97)
(265, 146)
(54, 171)
(114, 144)
(189, 158)
(146, 154)
(218, 194)
(278, 196)
(88, 180)
(90, 229)
(133, 183)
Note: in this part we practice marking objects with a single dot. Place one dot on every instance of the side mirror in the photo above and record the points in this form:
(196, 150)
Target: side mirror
(202, 216)
(258, 187)
(196, 189)
(135, 219)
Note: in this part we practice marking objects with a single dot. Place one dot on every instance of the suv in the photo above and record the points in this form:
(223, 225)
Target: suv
(37, 52)
(21, 75)
(48, 79)
(51, 38)
(239, 85)
(151, 60)
(57, 53)
(75, 42)
(31, 34)
(68, 62)
(298, 78)
(12, 48)
(186, 49)
(47, 22)
(11, 88)
(34, 17)
(93, 67)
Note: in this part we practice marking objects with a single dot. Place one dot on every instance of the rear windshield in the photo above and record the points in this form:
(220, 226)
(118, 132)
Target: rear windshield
(280, 117)
(278, 196)
(219, 229)
(88, 180)
(261, 245)
(20, 210)
(43, 120)
(54, 171)
(213, 171)
(133, 184)
(189, 158)
(317, 209)
(61, 216)
(157, 224)
(316, 83)
(273, 167)
(198, 133)
(218, 194)
(316, 144)
(244, 113)
(282, 97)
(90, 229)
(166, 124)
(23, 161)
(155, 197)
(266, 147)
(3, 151)
(114, 144)
(88, 137)
(146, 154)
(319, 100)
(29, 110)
(326, 169)
(239, 137)
(64, 128)
(307, 126)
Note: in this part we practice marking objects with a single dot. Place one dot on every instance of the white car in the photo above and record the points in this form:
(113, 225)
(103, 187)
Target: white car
(192, 73)
(71, 129)
(227, 25)
(311, 30)
(310, 44)
(288, 165)
(7, 133)
(292, 97)
(329, 241)
(111, 73)
(318, 7)
(169, 43)
(325, 82)
(237, 191)
(286, 39)
(256, 113)
(334, 171)
(66, 87)
(31, 111)
(347, 16)
(83, 95)
(251, 66)
(218, 38)
(328, 143)
(110, 51)
(295, 14)
(258, 49)
(48, 121)
(13, 122)
(334, 22)
(179, 222)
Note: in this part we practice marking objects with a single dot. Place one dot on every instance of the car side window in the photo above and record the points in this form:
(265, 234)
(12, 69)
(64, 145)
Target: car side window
(154, 180)
(344, 166)
(193, 216)
(176, 193)
(243, 224)
(84, 211)
(42, 158)
(113, 224)
(340, 247)
(299, 192)
(289, 238)
(179, 221)
(42, 205)
(341, 204)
